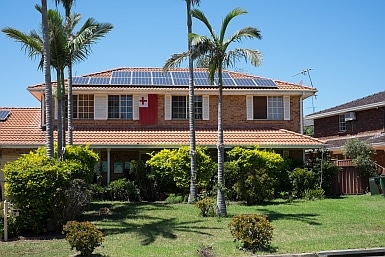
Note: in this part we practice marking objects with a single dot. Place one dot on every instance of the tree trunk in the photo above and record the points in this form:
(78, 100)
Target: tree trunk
(47, 80)
(191, 98)
(221, 205)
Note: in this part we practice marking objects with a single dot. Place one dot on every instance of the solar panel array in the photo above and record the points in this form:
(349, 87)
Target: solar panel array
(172, 78)
(4, 114)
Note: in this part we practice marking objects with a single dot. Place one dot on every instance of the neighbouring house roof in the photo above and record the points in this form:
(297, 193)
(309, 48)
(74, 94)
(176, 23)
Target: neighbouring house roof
(281, 86)
(374, 138)
(22, 130)
(367, 102)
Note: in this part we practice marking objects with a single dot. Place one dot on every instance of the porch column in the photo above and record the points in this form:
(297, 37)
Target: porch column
(108, 166)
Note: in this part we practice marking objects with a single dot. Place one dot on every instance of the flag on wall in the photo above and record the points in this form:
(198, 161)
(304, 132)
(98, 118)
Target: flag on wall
(143, 101)
(148, 113)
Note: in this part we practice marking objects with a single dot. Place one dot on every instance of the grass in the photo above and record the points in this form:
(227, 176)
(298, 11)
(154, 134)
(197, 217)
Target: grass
(158, 229)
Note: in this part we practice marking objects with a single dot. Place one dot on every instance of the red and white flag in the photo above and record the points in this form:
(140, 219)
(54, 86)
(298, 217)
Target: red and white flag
(143, 101)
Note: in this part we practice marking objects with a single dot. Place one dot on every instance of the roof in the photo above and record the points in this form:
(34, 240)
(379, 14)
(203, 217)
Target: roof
(374, 138)
(364, 103)
(282, 87)
(22, 130)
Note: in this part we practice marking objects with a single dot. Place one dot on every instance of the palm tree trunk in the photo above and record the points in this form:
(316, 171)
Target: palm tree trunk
(70, 127)
(193, 190)
(221, 205)
(59, 115)
(63, 116)
(48, 86)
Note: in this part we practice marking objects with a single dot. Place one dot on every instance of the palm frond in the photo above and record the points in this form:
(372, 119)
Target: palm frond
(235, 12)
(198, 14)
(32, 45)
(233, 56)
(175, 61)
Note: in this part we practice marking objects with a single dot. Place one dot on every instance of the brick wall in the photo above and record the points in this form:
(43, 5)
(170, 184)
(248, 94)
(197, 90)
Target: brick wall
(234, 116)
(367, 120)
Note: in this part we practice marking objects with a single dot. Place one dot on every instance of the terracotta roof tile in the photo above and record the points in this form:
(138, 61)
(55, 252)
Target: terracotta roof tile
(22, 129)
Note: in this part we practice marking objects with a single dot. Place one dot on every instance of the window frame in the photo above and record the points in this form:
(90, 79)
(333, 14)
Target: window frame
(273, 110)
(83, 108)
(181, 112)
(341, 123)
(125, 112)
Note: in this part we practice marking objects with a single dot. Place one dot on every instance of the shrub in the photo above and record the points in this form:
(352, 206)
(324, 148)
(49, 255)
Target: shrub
(303, 179)
(253, 230)
(314, 194)
(206, 205)
(206, 251)
(324, 168)
(83, 236)
(123, 190)
(145, 179)
(172, 198)
(172, 168)
(257, 175)
(68, 203)
(34, 181)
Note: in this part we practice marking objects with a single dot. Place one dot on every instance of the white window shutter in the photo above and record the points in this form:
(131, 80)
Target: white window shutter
(167, 107)
(135, 107)
(286, 107)
(206, 107)
(249, 107)
(101, 107)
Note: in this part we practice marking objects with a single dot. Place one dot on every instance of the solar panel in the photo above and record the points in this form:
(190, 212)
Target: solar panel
(4, 114)
(181, 74)
(141, 74)
(162, 81)
(180, 81)
(99, 81)
(121, 81)
(226, 82)
(156, 74)
(121, 74)
(80, 80)
(265, 82)
(225, 75)
(201, 75)
(201, 82)
(244, 82)
(141, 81)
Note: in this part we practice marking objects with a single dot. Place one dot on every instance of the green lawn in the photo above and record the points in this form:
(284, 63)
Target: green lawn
(158, 229)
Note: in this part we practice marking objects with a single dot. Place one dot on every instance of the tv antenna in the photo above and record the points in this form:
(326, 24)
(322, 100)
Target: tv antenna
(304, 72)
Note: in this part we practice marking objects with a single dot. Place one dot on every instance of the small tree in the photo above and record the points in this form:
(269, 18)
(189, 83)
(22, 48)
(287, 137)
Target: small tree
(360, 152)
(48, 189)
(173, 167)
(258, 173)
(324, 168)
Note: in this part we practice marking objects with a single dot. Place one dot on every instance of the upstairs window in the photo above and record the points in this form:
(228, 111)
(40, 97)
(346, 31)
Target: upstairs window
(120, 107)
(268, 107)
(83, 106)
(180, 107)
(342, 123)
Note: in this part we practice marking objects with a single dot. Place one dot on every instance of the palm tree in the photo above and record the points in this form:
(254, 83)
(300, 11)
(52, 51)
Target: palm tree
(79, 44)
(193, 189)
(213, 53)
(67, 4)
(47, 79)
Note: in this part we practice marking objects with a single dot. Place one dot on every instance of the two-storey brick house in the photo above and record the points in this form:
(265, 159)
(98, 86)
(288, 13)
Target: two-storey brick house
(126, 113)
(363, 119)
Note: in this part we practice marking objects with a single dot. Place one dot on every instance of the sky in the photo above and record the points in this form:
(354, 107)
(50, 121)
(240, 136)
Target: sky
(341, 43)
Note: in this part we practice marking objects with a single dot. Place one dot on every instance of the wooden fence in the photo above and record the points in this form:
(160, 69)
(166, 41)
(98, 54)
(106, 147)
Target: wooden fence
(348, 181)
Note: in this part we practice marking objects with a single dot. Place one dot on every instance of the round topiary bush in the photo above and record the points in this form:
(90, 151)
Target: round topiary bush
(253, 230)
(83, 236)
